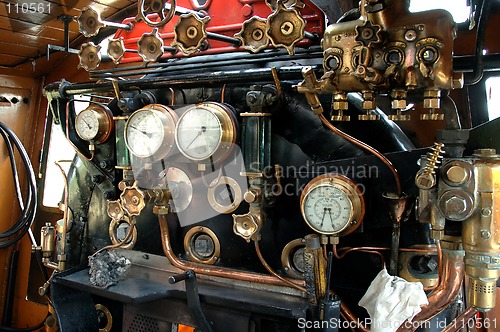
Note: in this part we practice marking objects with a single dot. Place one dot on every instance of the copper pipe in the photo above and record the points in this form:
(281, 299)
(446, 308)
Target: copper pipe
(368, 148)
(450, 282)
(461, 321)
(118, 245)
(426, 251)
(351, 317)
(360, 249)
(270, 270)
(344, 317)
(211, 270)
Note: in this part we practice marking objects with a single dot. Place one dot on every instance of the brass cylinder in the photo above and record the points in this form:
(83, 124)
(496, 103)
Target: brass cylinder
(481, 233)
(47, 236)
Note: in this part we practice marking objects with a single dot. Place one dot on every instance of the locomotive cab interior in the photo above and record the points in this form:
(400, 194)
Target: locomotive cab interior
(249, 165)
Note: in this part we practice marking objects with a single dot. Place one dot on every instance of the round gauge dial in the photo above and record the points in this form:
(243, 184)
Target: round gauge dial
(149, 132)
(332, 205)
(206, 131)
(94, 124)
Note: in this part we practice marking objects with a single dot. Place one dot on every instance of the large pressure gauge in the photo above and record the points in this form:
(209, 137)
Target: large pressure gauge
(332, 205)
(94, 124)
(149, 132)
(206, 131)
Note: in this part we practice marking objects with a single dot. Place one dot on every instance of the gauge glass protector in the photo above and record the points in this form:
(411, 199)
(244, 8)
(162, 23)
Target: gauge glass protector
(199, 133)
(144, 133)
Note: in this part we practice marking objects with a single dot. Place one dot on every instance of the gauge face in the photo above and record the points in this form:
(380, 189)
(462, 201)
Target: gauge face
(332, 204)
(149, 132)
(327, 209)
(94, 123)
(205, 131)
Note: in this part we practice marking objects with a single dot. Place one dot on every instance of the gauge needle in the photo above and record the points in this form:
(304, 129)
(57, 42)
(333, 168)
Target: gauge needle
(142, 131)
(86, 123)
(323, 218)
(330, 213)
(202, 130)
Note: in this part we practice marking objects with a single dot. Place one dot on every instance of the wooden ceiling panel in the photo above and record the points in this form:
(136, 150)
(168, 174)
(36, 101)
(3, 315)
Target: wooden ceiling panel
(19, 50)
(25, 32)
(25, 39)
(11, 60)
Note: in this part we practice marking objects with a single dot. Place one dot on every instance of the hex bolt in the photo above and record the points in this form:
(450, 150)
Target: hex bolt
(455, 205)
(485, 234)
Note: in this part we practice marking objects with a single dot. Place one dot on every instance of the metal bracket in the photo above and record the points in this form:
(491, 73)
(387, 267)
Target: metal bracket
(66, 19)
(193, 298)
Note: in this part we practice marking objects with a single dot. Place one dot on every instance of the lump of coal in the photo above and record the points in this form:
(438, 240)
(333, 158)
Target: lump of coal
(106, 268)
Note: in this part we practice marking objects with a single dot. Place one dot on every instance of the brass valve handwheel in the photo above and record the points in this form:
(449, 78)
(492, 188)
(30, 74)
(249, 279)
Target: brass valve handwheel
(150, 46)
(285, 27)
(252, 35)
(190, 33)
(165, 9)
(89, 22)
(90, 57)
(116, 49)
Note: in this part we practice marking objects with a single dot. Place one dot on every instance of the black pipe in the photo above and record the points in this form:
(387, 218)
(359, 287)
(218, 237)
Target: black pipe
(192, 67)
(11, 288)
(235, 76)
(270, 55)
(491, 62)
(477, 74)
(217, 36)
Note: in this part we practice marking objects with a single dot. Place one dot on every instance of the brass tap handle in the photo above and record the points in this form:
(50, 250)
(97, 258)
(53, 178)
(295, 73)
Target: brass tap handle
(247, 226)
(133, 200)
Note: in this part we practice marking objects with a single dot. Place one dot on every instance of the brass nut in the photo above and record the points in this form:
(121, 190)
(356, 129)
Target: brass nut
(432, 93)
(160, 209)
(340, 105)
(398, 104)
(368, 104)
(251, 196)
(431, 103)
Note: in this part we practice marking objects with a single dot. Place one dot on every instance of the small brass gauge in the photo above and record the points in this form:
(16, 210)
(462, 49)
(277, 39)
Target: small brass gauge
(292, 259)
(202, 245)
(332, 205)
(149, 132)
(94, 124)
(205, 131)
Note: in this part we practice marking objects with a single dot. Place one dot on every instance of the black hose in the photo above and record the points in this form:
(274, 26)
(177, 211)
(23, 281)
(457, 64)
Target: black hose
(23, 224)
(477, 73)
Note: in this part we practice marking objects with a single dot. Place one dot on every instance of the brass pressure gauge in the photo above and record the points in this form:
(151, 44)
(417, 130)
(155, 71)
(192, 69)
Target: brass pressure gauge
(206, 131)
(149, 132)
(94, 124)
(332, 205)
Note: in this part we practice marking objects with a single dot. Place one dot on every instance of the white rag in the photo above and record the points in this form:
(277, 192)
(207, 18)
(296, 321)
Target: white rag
(392, 300)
